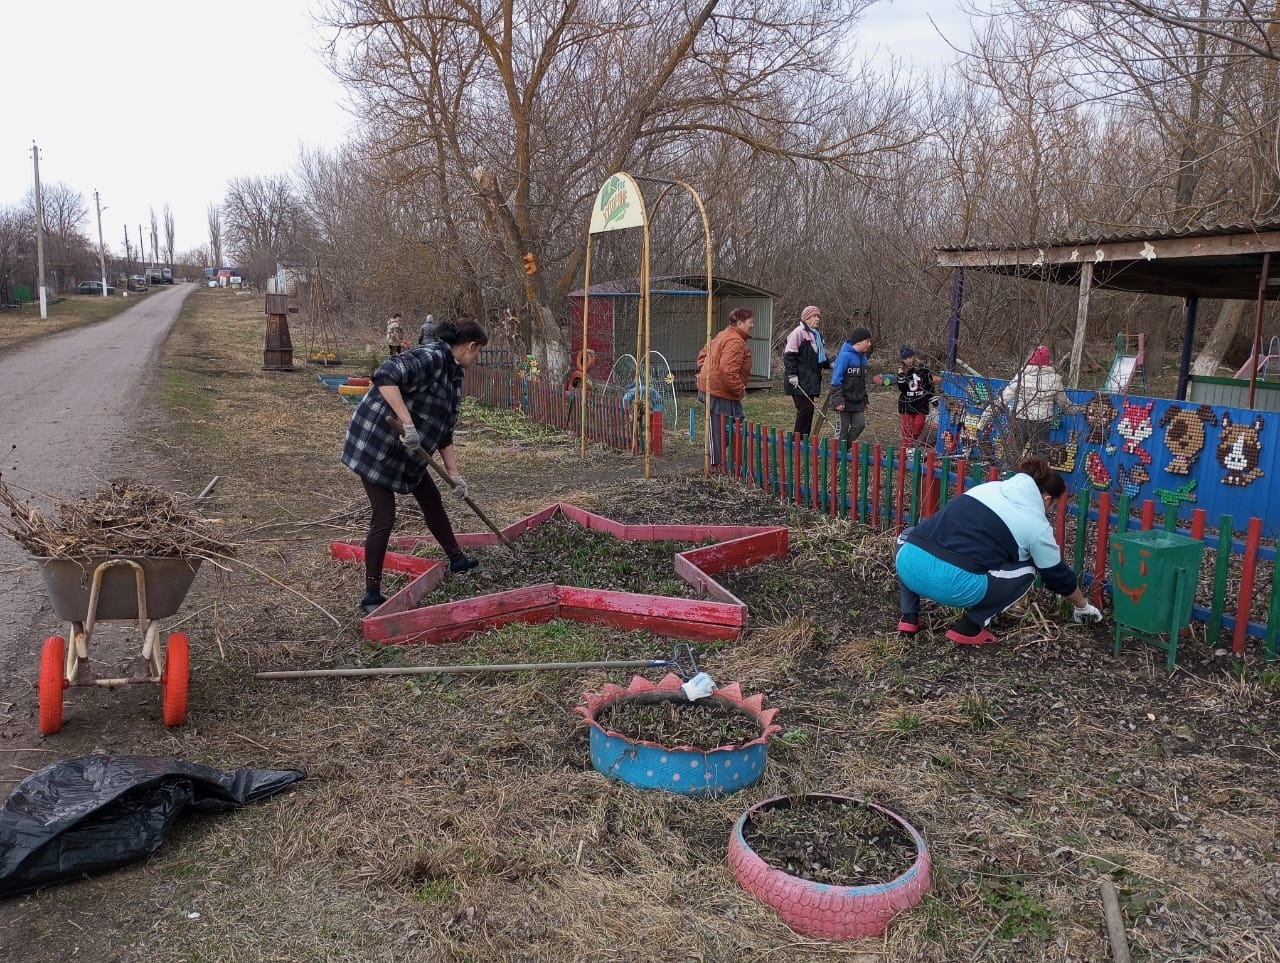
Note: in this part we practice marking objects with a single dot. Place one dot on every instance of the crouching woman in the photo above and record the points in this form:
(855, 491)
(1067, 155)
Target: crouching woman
(982, 552)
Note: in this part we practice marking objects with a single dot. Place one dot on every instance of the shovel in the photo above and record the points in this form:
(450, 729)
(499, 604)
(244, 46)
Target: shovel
(682, 660)
(395, 424)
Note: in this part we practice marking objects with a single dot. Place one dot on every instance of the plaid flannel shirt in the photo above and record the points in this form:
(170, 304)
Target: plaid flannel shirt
(431, 382)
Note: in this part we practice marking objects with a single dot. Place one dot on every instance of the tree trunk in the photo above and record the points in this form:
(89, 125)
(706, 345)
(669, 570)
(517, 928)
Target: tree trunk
(547, 343)
(1224, 330)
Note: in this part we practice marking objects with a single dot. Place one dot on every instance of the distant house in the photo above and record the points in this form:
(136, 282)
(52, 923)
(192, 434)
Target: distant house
(677, 321)
(287, 279)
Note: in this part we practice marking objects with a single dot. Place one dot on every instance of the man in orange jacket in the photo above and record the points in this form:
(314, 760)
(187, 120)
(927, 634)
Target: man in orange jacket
(723, 370)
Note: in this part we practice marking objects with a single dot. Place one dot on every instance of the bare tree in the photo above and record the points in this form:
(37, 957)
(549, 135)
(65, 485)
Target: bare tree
(517, 111)
(264, 223)
(155, 238)
(214, 219)
(168, 235)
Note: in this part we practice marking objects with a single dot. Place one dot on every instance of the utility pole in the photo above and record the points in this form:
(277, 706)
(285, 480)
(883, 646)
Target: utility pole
(44, 300)
(142, 255)
(102, 251)
(128, 254)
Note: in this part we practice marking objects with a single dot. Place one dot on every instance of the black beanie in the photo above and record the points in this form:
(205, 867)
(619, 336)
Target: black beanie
(859, 334)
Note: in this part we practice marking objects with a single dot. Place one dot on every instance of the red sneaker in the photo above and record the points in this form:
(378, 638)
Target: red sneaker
(981, 637)
(909, 624)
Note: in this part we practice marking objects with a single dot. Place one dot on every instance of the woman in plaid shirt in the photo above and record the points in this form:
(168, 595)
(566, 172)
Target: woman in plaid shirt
(423, 388)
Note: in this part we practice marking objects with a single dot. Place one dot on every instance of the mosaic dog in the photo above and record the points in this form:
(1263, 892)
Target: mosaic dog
(1184, 435)
(1239, 451)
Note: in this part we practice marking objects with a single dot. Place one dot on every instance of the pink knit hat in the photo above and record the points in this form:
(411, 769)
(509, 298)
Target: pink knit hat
(809, 313)
(1040, 356)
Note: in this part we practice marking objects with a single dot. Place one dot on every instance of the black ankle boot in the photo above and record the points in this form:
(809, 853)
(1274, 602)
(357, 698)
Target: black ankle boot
(462, 564)
(372, 601)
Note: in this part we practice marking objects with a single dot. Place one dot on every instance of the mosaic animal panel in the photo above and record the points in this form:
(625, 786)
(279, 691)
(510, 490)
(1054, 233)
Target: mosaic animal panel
(1240, 451)
(1184, 435)
(1118, 437)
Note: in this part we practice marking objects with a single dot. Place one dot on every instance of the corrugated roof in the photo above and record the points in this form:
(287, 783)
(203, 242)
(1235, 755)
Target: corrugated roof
(1130, 236)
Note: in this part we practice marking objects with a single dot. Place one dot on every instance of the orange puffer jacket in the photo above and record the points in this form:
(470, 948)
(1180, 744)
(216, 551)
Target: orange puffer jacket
(727, 367)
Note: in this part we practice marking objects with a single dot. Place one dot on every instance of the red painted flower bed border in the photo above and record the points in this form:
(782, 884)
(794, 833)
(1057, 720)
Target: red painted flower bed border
(722, 616)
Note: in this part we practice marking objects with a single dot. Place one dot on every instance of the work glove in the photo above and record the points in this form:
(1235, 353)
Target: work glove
(411, 440)
(459, 485)
(1089, 613)
(794, 381)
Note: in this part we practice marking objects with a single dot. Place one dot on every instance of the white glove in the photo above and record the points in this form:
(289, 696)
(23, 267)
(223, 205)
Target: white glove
(1089, 613)
(794, 381)
(411, 440)
(460, 487)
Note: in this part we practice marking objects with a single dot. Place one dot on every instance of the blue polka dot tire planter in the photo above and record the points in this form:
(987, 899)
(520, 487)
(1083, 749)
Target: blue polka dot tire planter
(819, 909)
(685, 770)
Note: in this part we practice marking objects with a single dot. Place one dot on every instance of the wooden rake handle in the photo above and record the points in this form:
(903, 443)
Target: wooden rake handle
(396, 425)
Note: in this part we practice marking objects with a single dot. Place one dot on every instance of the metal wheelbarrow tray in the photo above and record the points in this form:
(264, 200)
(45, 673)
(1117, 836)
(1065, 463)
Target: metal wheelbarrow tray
(85, 591)
(68, 582)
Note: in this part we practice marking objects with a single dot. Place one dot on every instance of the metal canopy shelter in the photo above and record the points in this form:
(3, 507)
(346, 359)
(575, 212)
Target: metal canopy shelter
(1219, 261)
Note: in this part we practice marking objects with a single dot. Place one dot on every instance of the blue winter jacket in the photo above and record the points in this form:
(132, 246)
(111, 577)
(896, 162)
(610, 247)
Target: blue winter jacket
(849, 378)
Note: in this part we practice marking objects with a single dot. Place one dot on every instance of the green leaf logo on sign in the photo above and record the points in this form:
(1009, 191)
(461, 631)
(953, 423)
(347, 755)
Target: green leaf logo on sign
(618, 206)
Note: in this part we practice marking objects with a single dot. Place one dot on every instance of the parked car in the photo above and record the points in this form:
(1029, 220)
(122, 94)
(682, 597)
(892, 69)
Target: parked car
(137, 282)
(94, 287)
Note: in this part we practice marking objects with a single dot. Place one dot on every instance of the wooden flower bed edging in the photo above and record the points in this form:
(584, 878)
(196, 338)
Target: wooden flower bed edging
(685, 770)
(821, 910)
(721, 616)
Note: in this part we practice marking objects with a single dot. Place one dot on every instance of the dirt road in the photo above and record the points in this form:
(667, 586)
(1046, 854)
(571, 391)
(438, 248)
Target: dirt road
(71, 407)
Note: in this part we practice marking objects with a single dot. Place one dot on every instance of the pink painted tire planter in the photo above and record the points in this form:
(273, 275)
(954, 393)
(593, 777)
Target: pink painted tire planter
(824, 911)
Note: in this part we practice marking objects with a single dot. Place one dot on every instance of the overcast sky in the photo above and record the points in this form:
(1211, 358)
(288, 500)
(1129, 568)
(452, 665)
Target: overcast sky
(152, 103)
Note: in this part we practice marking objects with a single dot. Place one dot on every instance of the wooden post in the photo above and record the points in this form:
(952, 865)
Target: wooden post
(1257, 325)
(1082, 319)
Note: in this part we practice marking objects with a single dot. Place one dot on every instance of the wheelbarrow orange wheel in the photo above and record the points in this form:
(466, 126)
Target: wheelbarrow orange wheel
(175, 677)
(53, 661)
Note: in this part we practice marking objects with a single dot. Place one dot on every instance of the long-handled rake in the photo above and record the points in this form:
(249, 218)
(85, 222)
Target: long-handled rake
(682, 661)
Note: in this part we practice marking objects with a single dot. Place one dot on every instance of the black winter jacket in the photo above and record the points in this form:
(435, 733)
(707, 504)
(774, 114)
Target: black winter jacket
(801, 359)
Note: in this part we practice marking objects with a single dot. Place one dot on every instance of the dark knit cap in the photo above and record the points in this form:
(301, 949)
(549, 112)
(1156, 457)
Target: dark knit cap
(859, 334)
(906, 351)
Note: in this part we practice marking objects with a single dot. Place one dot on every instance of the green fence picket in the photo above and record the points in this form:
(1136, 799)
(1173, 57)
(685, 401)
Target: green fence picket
(1082, 529)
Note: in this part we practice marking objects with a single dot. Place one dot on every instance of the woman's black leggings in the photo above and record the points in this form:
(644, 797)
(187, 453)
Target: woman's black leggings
(383, 502)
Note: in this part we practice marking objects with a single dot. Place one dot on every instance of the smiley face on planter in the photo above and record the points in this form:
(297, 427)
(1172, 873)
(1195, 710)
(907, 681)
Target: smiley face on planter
(1130, 571)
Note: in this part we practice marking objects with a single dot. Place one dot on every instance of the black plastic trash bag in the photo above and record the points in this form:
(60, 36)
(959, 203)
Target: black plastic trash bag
(98, 813)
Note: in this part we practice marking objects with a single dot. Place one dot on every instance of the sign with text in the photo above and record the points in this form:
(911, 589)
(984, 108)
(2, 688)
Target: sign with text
(618, 206)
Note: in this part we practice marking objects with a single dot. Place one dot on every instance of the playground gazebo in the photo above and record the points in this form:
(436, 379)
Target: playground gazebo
(1229, 261)
(677, 320)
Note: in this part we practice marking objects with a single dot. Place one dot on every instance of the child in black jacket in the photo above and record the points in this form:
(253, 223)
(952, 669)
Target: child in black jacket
(915, 390)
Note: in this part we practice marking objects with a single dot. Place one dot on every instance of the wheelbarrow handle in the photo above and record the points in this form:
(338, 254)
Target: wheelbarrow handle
(396, 425)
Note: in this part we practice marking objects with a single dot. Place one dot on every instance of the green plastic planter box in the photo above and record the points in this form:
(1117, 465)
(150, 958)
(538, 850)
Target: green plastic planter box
(1154, 577)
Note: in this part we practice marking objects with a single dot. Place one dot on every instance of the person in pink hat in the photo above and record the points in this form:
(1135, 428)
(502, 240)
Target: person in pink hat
(1029, 403)
(803, 358)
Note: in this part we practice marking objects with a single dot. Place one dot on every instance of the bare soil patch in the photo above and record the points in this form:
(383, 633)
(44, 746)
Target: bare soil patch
(562, 551)
(837, 842)
(674, 721)
(459, 818)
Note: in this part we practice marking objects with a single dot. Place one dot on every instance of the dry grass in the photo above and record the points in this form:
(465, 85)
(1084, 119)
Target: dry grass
(459, 819)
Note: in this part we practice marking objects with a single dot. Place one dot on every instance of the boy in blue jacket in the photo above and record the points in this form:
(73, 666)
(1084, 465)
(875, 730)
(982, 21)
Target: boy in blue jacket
(849, 385)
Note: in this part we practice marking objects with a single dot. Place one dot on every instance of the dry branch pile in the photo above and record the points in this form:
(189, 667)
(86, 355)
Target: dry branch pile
(122, 519)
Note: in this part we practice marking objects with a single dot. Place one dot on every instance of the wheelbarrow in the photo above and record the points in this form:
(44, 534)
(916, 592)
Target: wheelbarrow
(87, 591)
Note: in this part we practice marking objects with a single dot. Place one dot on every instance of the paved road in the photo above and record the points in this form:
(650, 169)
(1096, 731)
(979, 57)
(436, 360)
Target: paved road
(69, 408)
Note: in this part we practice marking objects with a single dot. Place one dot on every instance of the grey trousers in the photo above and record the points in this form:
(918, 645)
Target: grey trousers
(723, 414)
(852, 424)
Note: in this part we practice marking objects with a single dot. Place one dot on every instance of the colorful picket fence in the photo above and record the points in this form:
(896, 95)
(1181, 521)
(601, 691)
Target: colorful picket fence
(873, 484)
(609, 421)
(876, 486)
